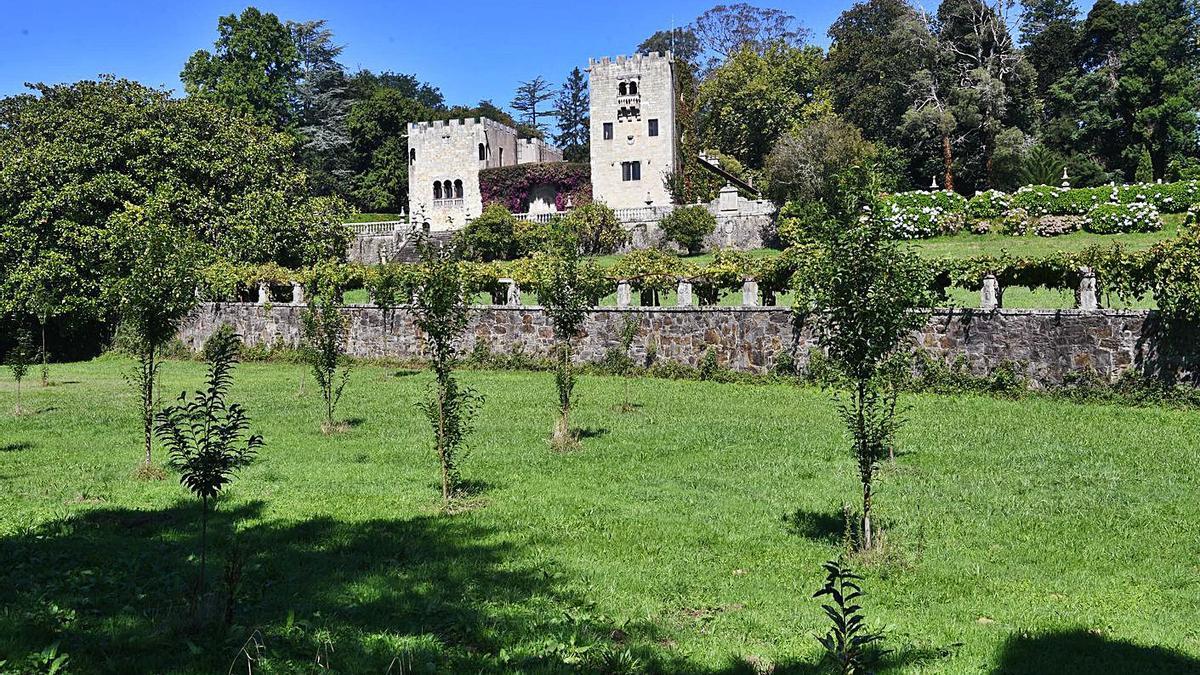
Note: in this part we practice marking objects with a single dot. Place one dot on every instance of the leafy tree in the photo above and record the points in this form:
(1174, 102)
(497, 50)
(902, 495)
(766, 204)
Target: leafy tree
(871, 62)
(20, 356)
(441, 314)
(804, 163)
(1042, 166)
(573, 112)
(156, 293)
(753, 98)
(252, 68)
(84, 150)
(530, 96)
(205, 436)
(865, 294)
(726, 30)
(322, 104)
(681, 42)
(688, 226)
(1049, 35)
(595, 229)
(323, 333)
(364, 83)
(378, 127)
(491, 236)
(1158, 89)
(563, 294)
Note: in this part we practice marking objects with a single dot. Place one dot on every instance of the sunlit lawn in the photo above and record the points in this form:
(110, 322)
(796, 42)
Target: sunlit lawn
(1030, 536)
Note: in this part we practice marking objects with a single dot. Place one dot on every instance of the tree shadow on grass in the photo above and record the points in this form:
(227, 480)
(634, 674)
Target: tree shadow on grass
(1080, 652)
(818, 526)
(112, 587)
(16, 447)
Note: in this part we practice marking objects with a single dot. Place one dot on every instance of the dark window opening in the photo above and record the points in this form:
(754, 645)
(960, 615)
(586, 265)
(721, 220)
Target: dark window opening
(482, 152)
(458, 189)
(622, 89)
(633, 88)
(631, 171)
(653, 127)
(412, 156)
(608, 131)
(437, 190)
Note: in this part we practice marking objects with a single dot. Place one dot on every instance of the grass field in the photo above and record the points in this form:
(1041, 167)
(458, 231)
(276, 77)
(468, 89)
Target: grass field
(1031, 536)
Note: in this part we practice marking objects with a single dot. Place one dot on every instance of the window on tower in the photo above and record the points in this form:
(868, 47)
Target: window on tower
(608, 131)
(653, 127)
(631, 171)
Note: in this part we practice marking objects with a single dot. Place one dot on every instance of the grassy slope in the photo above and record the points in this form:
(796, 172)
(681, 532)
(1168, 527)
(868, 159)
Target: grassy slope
(1031, 536)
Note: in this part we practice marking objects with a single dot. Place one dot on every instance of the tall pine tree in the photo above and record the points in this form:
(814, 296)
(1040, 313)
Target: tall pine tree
(572, 109)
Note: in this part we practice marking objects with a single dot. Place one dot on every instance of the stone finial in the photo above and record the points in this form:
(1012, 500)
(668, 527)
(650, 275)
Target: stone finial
(1066, 180)
(684, 293)
(1086, 298)
(624, 294)
(297, 294)
(933, 186)
(989, 293)
(749, 292)
(264, 293)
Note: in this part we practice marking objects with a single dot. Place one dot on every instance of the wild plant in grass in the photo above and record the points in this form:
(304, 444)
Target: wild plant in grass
(866, 295)
(563, 295)
(206, 436)
(43, 306)
(441, 314)
(323, 342)
(849, 646)
(19, 357)
(629, 330)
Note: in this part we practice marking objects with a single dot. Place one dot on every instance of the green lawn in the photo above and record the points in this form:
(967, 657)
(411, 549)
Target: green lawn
(1032, 536)
(966, 244)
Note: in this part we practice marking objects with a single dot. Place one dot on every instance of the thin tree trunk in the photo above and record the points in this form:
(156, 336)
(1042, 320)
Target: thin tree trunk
(45, 365)
(148, 401)
(203, 545)
(441, 442)
(866, 521)
(17, 409)
(948, 162)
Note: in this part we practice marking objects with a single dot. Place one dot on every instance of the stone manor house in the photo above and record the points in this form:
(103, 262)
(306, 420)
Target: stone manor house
(634, 148)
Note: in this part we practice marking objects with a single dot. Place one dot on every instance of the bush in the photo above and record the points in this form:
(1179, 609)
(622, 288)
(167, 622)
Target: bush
(688, 226)
(917, 215)
(1121, 218)
(1053, 226)
(596, 228)
(491, 235)
(799, 222)
(1167, 197)
(988, 205)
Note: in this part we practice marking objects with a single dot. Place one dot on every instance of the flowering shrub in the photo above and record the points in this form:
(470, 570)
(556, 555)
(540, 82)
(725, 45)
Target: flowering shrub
(988, 205)
(1118, 218)
(916, 215)
(1167, 197)
(510, 185)
(1053, 226)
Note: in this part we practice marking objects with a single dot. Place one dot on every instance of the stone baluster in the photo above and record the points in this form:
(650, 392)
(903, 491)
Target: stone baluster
(624, 294)
(749, 292)
(684, 293)
(1086, 297)
(297, 294)
(264, 293)
(989, 293)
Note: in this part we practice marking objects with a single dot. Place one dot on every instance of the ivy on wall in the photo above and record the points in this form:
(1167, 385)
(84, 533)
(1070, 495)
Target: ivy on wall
(510, 186)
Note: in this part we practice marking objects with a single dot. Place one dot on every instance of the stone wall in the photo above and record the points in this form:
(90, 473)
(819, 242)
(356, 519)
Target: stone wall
(1047, 344)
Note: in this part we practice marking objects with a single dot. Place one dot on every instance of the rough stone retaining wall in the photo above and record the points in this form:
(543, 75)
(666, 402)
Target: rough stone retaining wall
(1047, 343)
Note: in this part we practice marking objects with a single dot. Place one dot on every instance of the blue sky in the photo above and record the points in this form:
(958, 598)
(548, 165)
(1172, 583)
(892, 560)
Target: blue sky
(469, 49)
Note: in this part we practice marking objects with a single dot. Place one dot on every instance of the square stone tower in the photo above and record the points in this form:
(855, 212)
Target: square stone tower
(634, 139)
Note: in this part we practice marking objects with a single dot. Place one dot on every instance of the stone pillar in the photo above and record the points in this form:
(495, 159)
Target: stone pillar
(624, 294)
(684, 293)
(749, 292)
(264, 293)
(297, 294)
(1086, 297)
(989, 294)
(727, 198)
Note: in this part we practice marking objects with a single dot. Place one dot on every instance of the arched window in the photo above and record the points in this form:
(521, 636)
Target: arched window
(622, 89)
(448, 189)
(458, 189)
(412, 155)
(482, 152)
(437, 190)
(632, 88)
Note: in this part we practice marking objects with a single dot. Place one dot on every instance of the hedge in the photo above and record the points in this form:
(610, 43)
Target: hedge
(1122, 218)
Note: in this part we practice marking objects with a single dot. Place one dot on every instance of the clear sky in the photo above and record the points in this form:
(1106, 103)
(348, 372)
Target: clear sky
(469, 49)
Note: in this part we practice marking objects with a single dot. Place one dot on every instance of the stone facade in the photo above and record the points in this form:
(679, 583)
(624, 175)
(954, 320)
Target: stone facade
(444, 159)
(632, 125)
(1048, 345)
(742, 224)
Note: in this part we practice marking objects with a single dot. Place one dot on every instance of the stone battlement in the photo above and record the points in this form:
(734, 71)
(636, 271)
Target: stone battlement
(636, 60)
(486, 122)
